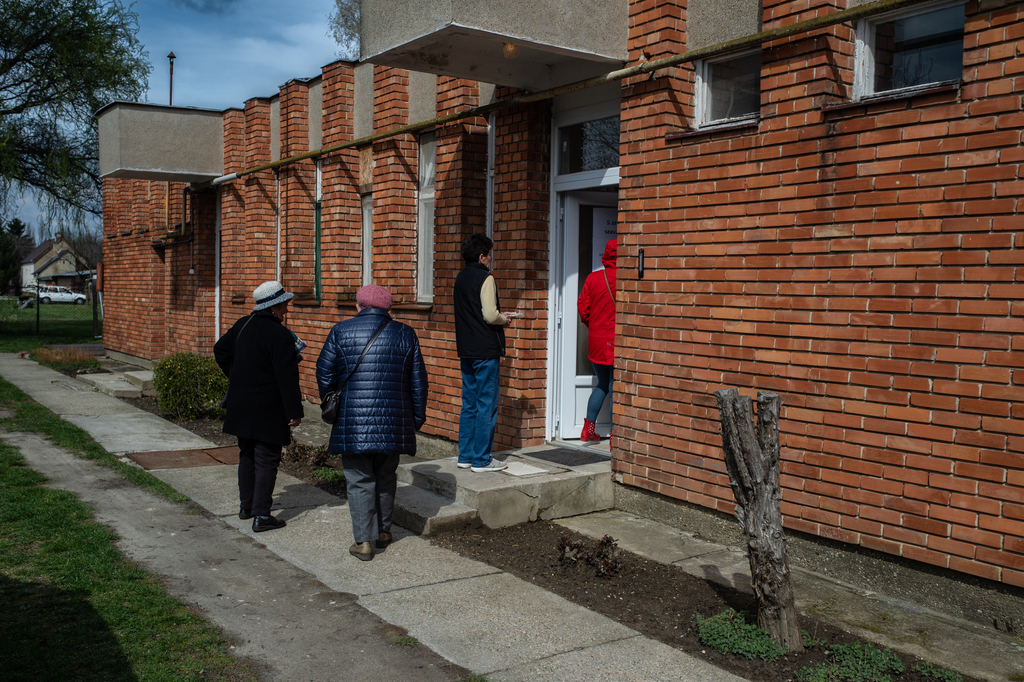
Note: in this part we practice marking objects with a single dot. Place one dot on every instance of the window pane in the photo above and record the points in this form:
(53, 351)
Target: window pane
(920, 49)
(589, 146)
(734, 87)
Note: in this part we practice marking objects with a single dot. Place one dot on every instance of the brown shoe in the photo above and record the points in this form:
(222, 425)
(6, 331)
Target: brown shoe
(361, 551)
(383, 540)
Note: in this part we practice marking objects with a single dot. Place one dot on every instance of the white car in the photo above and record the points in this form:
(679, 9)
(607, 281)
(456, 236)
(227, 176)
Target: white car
(60, 295)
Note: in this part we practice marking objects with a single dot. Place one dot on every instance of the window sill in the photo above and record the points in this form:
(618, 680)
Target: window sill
(707, 130)
(424, 307)
(947, 86)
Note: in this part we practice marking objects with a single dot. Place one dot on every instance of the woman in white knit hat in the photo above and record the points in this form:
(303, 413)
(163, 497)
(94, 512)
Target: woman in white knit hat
(259, 355)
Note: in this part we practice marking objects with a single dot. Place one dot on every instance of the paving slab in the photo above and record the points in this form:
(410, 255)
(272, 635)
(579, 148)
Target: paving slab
(494, 622)
(137, 432)
(317, 540)
(225, 455)
(216, 489)
(636, 659)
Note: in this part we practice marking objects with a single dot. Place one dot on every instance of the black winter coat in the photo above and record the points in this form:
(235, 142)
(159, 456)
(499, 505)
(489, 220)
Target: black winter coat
(263, 379)
(385, 403)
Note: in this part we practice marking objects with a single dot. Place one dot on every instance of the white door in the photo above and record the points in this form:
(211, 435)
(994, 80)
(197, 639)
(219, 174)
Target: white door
(589, 221)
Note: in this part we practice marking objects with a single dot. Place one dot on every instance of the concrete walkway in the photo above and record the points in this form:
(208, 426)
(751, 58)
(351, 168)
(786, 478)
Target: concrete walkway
(468, 615)
(283, 596)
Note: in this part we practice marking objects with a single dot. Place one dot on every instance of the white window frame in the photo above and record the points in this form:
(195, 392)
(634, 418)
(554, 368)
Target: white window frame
(702, 87)
(864, 62)
(426, 175)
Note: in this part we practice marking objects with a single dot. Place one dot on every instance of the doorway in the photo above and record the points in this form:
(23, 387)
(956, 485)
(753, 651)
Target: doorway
(589, 221)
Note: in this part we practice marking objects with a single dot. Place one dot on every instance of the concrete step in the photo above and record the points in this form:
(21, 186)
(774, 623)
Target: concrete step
(112, 384)
(142, 378)
(428, 514)
(530, 488)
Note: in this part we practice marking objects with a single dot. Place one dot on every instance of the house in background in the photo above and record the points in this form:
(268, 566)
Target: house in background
(54, 263)
(832, 211)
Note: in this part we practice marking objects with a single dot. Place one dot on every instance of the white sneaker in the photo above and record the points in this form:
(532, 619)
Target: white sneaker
(494, 465)
(464, 465)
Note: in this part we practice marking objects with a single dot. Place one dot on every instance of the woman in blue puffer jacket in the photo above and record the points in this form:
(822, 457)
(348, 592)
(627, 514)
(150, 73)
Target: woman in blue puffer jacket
(382, 406)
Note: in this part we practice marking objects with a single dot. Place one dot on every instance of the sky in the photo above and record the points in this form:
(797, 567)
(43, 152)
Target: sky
(226, 51)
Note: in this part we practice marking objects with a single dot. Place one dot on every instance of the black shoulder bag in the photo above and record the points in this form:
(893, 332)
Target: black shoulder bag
(329, 406)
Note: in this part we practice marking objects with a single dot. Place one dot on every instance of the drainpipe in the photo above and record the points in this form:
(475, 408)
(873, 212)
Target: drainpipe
(753, 40)
(216, 269)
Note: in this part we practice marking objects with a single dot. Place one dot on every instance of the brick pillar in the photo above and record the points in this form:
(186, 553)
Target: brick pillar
(394, 187)
(522, 180)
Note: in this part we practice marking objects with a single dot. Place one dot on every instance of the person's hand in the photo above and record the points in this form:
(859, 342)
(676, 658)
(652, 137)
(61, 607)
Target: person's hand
(295, 422)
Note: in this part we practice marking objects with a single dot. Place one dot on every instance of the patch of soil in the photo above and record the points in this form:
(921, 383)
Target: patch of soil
(658, 600)
(300, 462)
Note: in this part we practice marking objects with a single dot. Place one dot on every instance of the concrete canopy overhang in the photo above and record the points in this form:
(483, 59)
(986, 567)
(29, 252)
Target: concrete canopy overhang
(157, 142)
(558, 41)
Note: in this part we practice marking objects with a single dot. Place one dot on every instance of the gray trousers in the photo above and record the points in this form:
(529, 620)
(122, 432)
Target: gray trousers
(371, 482)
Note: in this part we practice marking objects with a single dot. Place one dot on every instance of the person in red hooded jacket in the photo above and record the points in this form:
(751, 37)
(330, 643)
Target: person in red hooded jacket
(597, 311)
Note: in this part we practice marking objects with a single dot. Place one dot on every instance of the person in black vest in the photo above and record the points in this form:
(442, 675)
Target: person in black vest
(260, 357)
(480, 342)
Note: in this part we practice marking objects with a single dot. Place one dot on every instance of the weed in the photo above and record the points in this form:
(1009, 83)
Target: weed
(729, 633)
(313, 455)
(811, 642)
(329, 475)
(927, 669)
(407, 641)
(602, 557)
(472, 678)
(64, 359)
(854, 662)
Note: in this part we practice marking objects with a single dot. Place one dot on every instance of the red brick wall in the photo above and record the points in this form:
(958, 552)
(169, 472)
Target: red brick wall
(863, 263)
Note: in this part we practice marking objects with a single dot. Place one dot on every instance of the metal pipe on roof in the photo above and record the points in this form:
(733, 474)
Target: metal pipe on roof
(755, 39)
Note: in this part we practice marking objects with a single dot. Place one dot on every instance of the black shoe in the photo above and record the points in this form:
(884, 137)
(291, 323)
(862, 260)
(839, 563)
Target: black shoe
(262, 523)
(244, 514)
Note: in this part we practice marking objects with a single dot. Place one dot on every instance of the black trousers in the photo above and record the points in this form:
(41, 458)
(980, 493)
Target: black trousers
(257, 474)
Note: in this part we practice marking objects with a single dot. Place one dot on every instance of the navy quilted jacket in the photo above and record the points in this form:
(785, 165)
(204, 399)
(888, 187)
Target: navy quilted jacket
(385, 403)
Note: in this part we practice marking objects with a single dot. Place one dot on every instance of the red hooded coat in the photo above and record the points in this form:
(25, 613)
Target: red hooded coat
(597, 308)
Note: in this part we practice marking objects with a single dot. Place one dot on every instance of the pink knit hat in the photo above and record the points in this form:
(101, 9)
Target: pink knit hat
(373, 296)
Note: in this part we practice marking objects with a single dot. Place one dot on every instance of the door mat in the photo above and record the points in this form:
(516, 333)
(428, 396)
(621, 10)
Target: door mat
(568, 457)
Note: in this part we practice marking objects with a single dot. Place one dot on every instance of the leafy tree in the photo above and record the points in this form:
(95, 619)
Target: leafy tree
(22, 237)
(10, 264)
(60, 61)
(344, 27)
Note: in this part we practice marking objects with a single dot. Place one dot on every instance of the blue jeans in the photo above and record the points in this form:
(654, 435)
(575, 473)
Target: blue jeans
(605, 380)
(479, 413)
(371, 481)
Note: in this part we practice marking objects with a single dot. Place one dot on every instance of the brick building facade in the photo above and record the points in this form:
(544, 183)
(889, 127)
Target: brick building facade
(855, 247)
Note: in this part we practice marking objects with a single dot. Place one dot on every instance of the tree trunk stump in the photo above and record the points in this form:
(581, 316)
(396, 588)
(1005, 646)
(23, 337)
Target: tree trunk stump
(752, 458)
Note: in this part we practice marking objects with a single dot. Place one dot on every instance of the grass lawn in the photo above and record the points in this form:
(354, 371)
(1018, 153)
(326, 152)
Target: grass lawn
(73, 607)
(58, 322)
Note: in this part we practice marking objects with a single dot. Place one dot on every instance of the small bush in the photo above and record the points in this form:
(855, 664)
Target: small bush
(64, 359)
(854, 662)
(729, 633)
(602, 557)
(926, 669)
(189, 386)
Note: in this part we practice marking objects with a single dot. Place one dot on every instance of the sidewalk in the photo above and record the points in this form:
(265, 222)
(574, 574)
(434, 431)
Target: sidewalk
(467, 614)
(295, 601)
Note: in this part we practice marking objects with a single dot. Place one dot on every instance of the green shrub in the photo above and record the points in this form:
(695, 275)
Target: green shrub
(189, 386)
(729, 633)
(926, 669)
(854, 662)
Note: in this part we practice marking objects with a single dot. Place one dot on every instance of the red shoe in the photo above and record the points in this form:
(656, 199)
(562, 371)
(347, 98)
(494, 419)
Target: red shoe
(589, 434)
